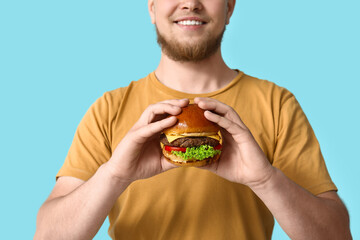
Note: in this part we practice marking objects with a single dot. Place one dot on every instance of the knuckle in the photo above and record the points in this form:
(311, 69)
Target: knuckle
(227, 124)
(151, 107)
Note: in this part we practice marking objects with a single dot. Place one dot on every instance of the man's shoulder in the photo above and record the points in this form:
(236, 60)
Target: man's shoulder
(117, 95)
(131, 84)
(261, 86)
(259, 82)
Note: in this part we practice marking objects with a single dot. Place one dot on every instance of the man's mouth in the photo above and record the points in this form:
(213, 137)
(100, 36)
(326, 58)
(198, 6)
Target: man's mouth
(190, 22)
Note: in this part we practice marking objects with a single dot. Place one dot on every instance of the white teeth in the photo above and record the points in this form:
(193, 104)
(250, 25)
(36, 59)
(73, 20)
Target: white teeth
(190, 22)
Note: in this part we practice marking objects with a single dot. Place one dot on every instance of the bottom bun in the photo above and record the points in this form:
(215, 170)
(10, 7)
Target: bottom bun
(178, 161)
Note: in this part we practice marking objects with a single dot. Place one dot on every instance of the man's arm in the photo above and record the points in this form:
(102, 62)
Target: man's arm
(300, 214)
(77, 209)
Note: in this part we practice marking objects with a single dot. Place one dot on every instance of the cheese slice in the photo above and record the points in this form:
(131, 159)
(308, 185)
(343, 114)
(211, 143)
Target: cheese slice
(172, 138)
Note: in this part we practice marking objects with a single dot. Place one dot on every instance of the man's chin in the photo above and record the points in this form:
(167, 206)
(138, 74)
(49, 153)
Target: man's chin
(194, 49)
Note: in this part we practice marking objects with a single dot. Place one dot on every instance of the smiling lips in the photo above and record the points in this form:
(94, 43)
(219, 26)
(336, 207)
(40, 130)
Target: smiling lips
(190, 21)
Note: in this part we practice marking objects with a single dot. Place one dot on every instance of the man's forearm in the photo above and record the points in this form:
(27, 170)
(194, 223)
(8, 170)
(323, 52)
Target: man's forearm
(301, 214)
(79, 214)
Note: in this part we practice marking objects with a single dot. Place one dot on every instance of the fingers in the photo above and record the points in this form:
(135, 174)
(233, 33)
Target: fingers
(212, 105)
(232, 127)
(170, 107)
(153, 121)
(221, 109)
(177, 102)
(142, 134)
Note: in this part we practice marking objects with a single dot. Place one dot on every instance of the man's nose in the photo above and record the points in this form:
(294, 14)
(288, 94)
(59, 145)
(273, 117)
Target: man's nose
(191, 5)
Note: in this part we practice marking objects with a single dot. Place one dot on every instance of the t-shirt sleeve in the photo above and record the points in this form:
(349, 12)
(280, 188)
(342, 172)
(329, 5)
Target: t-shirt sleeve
(297, 152)
(90, 147)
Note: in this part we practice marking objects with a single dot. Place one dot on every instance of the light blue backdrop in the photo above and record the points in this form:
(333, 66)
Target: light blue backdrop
(57, 57)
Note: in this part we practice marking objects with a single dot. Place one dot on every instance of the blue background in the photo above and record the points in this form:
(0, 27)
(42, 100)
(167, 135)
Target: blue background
(58, 57)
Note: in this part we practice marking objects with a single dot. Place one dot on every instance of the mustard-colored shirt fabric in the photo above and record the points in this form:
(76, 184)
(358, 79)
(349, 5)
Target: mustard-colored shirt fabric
(189, 203)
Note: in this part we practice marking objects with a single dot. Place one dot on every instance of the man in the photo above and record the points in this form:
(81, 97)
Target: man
(271, 163)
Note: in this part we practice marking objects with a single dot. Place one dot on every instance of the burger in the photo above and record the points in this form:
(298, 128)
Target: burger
(193, 140)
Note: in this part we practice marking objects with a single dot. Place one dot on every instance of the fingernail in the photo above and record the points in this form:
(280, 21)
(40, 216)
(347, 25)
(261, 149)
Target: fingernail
(173, 119)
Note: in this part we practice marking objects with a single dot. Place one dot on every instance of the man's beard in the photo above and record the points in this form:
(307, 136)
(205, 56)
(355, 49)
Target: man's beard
(187, 52)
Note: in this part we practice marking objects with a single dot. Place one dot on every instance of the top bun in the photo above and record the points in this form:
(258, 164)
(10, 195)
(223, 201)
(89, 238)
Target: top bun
(192, 120)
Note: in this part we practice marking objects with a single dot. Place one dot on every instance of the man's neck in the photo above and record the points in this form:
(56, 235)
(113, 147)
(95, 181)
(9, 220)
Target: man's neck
(205, 76)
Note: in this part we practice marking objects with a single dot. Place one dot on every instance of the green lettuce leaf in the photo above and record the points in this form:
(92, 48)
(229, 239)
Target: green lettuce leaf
(198, 153)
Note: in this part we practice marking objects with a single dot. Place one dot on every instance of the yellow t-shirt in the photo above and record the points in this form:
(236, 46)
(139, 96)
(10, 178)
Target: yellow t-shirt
(189, 203)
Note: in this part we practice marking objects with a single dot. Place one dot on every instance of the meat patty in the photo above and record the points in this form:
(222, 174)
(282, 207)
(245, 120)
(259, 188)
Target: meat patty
(189, 141)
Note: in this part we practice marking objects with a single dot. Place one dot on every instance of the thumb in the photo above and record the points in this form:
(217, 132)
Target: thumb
(166, 165)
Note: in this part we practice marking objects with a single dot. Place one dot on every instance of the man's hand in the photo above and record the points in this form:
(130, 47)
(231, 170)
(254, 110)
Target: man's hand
(242, 160)
(138, 155)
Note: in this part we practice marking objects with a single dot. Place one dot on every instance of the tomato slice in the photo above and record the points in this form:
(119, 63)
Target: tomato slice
(180, 149)
(218, 147)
